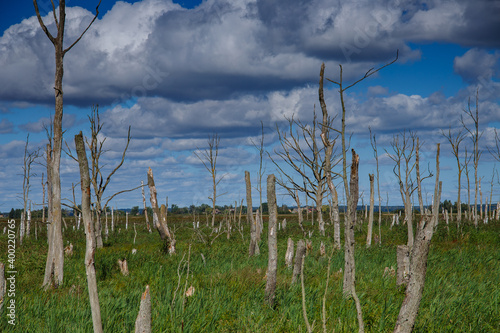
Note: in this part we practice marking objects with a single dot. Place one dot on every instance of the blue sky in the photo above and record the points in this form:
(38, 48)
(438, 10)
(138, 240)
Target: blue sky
(176, 72)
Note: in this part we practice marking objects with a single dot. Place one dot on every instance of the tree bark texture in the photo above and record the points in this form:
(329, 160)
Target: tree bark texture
(161, 223)
(289, 253)
(143, 321)
(403, 261)
(272, 265)
(350, 220)
(299, 255)
(418, 268)
(254, 245)
(89, 233)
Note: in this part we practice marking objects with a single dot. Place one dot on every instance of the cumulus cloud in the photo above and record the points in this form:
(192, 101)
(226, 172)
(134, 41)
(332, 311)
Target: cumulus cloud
(477, 65)
(223, 49)
(42, 123)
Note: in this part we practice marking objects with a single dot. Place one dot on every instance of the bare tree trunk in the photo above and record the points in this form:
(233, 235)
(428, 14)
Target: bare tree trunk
(254, 246)
(145, 208)
(299, 257)
(418, 269)
(143, 321)
(54, 267)
(370, 217)
(272, 265)
(435, 206)
(299, 210)
(319, 207)
(403, 261)
(289, 253)
(350, 218)
(417, 168)
(161, 223)
(89, 233)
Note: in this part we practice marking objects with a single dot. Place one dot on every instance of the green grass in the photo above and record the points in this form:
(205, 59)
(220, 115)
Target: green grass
(461, 292)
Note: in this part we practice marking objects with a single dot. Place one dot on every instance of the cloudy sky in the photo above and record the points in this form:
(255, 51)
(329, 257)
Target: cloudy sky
(177, 72)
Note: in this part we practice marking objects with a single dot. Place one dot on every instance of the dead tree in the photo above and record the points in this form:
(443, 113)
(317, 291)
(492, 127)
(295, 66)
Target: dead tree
(373, 141)
(272, 265)
(300, 253)
(435, 205)
(55, 257)
(261, 150)
(254, 244)
(351, 193)
(209, 159)
(404, 146)
(95, 145)
(89, 233)
(29, 158)
(418, 267)
(370, 215)
(161, 221)
(475, 136)
(302, 153)
(329, 146)
(143, 321)
(455, 139)
(145, 208)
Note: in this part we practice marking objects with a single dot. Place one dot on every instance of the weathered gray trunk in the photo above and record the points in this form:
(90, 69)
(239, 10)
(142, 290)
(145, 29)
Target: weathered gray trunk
(299, 210)
(403, 261)
(145, 208)
(254, 245)
(370, 215)
(143, 321)
(289, 253)
(319, 213)
(299, 256)
(89, 233)
(435, 204)
(272, 265)
(161, 223)
(350, 219)
(336, 218)
(418, 268)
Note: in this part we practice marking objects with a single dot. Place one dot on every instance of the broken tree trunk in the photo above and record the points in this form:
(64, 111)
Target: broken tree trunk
(370, 216)
(299, 255)
(161, 223)
(254, 244)
(143, 321)
(418, 269)
(272, 265)
(289, 254)
(145, 208)
(403, 261)
(89, 233)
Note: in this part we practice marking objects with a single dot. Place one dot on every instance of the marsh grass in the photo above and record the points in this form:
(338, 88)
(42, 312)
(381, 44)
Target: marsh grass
(461, 292)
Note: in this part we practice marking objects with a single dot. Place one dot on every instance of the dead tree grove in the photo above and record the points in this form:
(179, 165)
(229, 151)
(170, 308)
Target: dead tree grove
(55, 257)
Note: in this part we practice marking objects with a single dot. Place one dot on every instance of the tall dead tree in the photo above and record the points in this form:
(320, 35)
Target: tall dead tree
(404, 146)
(373, 141)
(95, 145)
(254, 243)
(301, 152)
(161, 219)
(209, 159)
(89, 233)
(475, 136)
(370, 215)
(29, 158)
(351, 192)
(329, 146)
(455, 139)
(418, 267)
(272, 236)
(145, 208)
(55, 258)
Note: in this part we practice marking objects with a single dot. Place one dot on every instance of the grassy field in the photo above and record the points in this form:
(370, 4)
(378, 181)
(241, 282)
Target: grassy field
(461, 294)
